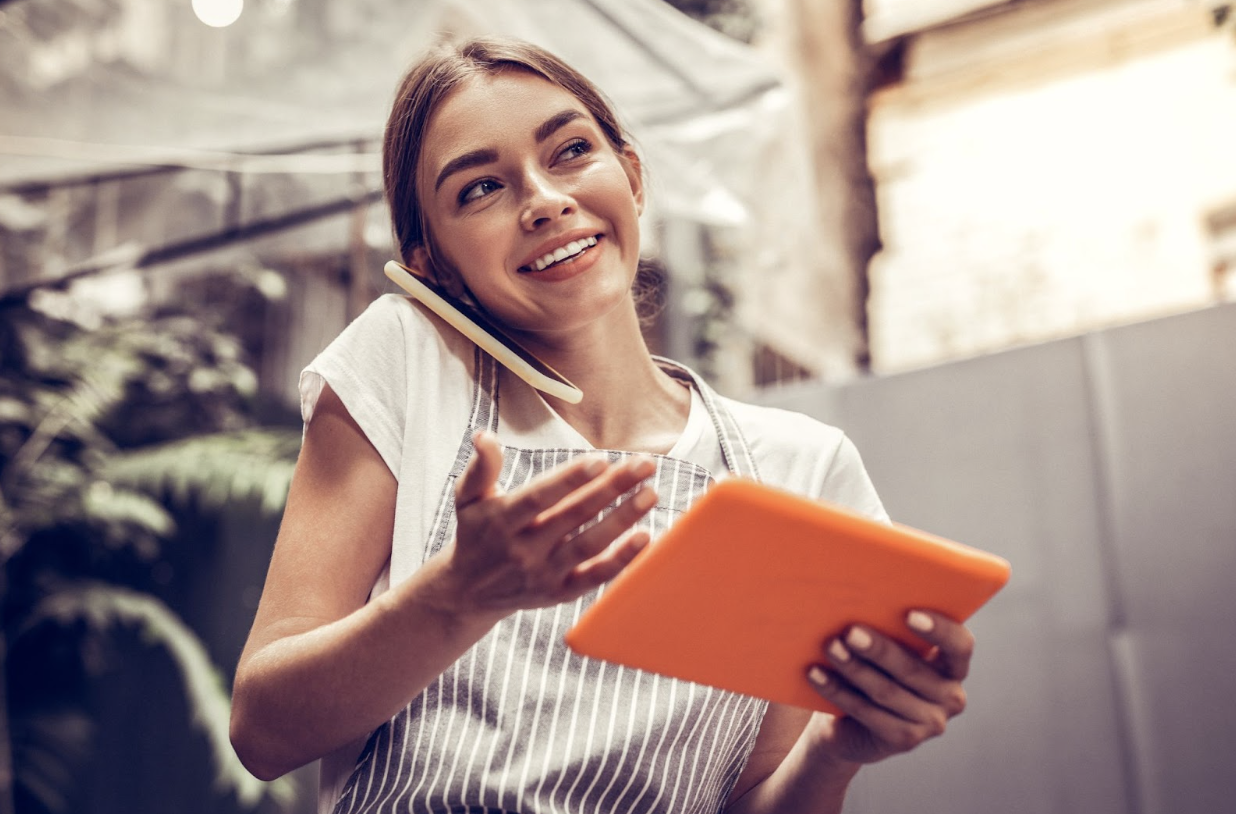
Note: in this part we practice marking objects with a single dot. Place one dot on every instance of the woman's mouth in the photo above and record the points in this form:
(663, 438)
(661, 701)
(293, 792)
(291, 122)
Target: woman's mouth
(561, 254)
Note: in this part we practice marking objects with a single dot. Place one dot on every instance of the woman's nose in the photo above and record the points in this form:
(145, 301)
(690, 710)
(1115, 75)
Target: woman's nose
(544, 202)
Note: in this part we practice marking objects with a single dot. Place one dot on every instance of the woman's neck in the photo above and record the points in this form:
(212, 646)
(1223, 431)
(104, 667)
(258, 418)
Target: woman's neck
(629, 402)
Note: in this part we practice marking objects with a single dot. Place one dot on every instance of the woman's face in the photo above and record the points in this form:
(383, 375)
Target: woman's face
(527, 201)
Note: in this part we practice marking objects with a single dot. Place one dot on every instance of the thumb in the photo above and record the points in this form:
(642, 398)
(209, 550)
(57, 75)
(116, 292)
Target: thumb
(479, 480)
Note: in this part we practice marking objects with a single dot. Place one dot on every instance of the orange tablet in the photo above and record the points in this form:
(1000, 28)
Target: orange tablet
(744, 590)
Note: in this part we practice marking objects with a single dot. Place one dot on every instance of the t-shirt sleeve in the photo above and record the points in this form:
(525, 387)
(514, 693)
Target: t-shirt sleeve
(847, 483)
(808, 457)
(367, 367)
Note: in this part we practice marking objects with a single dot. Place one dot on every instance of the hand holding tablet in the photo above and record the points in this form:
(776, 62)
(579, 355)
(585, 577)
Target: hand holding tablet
(742, 592)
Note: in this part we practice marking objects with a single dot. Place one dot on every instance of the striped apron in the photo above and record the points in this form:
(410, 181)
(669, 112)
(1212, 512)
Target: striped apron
(522, 724)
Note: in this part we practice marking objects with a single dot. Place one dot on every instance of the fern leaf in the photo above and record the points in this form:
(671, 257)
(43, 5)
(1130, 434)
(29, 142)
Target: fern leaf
(215, 470)
(106, 505)
(103, 606)
(47, 747)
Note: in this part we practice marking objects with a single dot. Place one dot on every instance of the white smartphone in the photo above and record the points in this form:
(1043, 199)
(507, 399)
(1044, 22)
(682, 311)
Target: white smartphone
(476, 326)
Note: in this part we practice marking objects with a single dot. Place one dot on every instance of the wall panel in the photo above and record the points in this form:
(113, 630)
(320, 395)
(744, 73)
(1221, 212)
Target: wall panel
(1104, 468)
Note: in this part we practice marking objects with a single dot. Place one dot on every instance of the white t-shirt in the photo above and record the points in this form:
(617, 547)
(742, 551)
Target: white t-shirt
(406, 378)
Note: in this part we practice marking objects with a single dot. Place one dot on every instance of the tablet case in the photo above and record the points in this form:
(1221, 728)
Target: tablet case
(745, 590)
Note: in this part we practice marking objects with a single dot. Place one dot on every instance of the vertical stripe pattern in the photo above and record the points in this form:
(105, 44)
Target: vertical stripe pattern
(520, 723)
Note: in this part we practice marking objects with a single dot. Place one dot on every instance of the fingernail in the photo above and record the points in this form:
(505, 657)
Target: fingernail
(594, 467)
(817, 675)
(644, 499)
(920, 621)
(837, 651)
(858, 638)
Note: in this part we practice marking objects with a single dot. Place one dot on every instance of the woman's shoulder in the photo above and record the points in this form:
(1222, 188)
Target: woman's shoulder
(776, 430)
(397, 332)
(806, 455)
(413, 319)
(392, 366)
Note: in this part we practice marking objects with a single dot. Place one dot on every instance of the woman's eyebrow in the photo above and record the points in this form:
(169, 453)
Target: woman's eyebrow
(466, 161)
(555, 123)
(486, 156)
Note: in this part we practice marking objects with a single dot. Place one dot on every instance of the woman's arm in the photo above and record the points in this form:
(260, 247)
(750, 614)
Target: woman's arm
(322, 666)
(892, 699)
(778, 763)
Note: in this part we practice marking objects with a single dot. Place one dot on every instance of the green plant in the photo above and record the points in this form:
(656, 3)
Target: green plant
(105, 435)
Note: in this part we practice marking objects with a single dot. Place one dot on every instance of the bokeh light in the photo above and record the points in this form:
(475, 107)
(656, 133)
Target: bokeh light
(218, 13)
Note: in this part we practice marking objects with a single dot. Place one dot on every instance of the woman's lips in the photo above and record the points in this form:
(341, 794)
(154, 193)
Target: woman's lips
(569, 249)
(568, 267)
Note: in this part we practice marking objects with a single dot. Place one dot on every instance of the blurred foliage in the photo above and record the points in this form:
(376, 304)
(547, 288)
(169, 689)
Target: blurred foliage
(105, 435)
(734, 18)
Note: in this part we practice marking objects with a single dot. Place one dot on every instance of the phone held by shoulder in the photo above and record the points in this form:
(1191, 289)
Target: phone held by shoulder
(489, 337)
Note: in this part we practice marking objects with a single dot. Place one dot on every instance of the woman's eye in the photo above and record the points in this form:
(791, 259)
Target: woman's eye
(477, 190)
(575, 148)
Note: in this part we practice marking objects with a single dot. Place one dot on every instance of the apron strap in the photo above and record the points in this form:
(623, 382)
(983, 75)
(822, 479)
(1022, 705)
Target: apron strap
(734, 447)
(735, 450)
(484, 413)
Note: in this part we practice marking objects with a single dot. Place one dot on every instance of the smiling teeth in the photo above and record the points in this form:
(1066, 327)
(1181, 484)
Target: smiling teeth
(558, 255)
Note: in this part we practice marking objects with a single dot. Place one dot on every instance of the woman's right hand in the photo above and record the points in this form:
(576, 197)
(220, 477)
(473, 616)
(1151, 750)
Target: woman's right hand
(525, 548)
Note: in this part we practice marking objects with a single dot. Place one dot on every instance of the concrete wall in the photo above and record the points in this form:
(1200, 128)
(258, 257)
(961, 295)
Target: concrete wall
(1104, 468)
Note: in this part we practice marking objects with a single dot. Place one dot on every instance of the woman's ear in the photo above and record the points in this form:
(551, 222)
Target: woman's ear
(635, 174)
(422, 265)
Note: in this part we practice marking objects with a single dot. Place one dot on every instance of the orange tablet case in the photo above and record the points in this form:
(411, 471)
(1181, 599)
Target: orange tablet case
(745, 589)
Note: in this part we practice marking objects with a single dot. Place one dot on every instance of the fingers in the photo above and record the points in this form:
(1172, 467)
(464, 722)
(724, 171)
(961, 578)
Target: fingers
(895, 732)
(531, 537)
(954, 642)
(587, 503)
(480, 477)
(561, 500)
(527, 505)
(549, 489)
(888, 675)
(900, 698)
(597, 537)
(602, 569)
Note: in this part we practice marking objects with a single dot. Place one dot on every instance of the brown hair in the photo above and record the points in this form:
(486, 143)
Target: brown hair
(434, 78)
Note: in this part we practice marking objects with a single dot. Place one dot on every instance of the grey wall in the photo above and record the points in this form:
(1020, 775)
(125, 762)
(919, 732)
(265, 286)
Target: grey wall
(1104, 468)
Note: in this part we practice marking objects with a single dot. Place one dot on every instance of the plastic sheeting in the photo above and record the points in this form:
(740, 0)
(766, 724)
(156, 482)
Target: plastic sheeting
(277, 119)
(702, 106)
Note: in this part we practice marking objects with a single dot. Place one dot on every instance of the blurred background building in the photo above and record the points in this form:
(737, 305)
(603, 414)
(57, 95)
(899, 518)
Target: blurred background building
(1046, 168)
(993, 241)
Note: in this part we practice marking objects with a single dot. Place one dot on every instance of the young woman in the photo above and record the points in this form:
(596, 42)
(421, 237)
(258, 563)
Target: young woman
(442, 530)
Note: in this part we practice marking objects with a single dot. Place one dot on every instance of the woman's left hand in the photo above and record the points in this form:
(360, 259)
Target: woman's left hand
(893, 699)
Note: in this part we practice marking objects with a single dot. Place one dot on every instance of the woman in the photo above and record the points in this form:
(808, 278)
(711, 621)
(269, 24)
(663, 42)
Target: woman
(441, 532)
